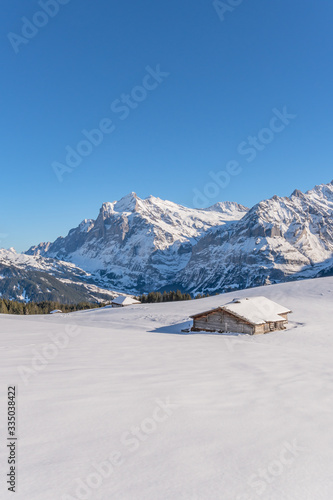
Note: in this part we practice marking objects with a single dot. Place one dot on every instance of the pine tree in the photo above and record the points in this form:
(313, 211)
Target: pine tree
(3, 307)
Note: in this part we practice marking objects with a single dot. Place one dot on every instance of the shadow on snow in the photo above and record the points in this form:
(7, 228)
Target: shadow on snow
(176, 329)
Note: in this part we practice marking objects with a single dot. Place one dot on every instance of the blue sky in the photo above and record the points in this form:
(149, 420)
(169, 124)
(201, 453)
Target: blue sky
(225, 78)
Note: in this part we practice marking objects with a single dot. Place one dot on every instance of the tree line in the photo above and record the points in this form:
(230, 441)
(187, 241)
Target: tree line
(45, 307)
(167, 296)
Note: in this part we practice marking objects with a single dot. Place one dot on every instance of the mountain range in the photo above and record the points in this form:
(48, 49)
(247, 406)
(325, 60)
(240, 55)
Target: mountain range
(139, 245)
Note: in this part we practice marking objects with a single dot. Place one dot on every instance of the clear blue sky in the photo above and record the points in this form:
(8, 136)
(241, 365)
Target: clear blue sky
(225, 78)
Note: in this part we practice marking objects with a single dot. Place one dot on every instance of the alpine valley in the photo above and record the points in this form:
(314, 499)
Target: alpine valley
(140, 245)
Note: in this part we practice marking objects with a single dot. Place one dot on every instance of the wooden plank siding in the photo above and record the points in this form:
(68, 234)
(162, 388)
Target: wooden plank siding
(285, 317)
(224, 322)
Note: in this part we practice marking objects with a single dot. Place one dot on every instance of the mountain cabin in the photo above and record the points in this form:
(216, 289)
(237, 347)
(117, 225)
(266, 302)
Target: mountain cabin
(249, 315)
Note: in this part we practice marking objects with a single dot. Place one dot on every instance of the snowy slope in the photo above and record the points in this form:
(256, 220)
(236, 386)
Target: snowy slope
(250, 417)
(34, 278)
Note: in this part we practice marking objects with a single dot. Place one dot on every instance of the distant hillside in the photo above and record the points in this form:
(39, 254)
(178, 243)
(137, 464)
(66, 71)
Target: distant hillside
(27, 278)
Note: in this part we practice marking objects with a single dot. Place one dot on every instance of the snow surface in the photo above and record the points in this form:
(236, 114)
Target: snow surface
(253, 414)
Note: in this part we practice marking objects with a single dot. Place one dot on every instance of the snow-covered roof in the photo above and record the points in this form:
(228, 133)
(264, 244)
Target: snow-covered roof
(122, 300)
(55, 311)
(256, 310)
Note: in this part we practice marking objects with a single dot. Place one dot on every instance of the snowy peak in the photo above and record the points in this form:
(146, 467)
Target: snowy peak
(322, 192)
(129, 203)
(230, 208)
(132, 203)
(297, 194)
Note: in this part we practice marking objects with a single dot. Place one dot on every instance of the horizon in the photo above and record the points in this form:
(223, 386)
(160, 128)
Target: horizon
(65, 233)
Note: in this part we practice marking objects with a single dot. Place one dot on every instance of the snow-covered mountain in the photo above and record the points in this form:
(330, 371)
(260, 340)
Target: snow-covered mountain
(29, 278)
(277, 240)
(138, 245)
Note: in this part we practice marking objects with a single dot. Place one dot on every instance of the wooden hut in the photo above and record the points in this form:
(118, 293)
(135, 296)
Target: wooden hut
(250, 315)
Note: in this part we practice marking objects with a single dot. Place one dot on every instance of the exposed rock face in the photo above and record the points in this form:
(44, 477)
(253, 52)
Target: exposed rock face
(138, 245)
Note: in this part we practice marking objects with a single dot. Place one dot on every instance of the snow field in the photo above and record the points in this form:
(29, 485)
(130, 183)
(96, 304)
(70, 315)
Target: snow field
(131, 408)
